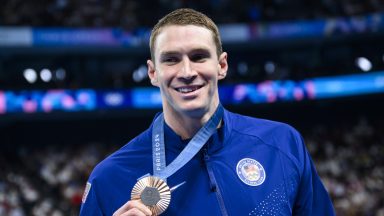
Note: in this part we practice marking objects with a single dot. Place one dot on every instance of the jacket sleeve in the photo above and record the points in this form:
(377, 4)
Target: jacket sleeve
(312, 198)
(90, 205)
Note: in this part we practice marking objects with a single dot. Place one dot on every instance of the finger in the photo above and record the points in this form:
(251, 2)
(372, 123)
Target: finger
(140, 206)
(134, 212)
(133, 204)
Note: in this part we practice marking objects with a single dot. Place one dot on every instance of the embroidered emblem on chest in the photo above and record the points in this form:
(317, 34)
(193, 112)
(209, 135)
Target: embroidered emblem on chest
(250, 171)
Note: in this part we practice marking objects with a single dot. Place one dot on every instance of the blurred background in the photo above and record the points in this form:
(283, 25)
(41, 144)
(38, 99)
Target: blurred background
(73, 88)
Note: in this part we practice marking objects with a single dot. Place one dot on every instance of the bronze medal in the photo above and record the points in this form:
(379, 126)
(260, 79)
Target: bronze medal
(153, 192)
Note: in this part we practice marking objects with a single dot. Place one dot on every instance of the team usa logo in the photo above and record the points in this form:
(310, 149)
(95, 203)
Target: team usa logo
(251, 172)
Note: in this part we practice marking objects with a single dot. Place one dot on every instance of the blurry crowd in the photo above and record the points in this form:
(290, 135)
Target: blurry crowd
(49, 180)
(350, 160)
(133, 14)
(46, 181)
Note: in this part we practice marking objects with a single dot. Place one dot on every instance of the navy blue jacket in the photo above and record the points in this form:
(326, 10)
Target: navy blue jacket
(249, 166)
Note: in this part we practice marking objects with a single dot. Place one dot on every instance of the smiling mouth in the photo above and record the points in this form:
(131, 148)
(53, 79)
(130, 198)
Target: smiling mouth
(188, 89)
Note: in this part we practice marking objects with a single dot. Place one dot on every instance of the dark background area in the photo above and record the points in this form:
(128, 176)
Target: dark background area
(45, 159)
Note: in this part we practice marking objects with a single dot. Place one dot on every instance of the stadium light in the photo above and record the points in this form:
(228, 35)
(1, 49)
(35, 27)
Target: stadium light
(30, 75)
(60, 74)
(140, 74)
(242, 68)
(364, 64)
(270, 67)
(46, 75)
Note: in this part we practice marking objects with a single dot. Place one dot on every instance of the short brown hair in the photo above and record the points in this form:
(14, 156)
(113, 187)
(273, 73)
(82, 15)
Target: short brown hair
(182, 17)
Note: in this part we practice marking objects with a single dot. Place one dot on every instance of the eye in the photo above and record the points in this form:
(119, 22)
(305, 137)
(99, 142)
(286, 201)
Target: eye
(170, 59)
(199, 57)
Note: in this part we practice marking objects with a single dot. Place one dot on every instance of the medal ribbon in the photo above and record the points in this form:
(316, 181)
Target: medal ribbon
(197, 142)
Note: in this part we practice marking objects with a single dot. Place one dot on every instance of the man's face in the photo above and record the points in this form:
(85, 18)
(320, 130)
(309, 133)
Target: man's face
(187, 70)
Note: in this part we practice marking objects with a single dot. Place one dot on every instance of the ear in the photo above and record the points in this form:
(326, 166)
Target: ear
(152, 74)
(223, 65)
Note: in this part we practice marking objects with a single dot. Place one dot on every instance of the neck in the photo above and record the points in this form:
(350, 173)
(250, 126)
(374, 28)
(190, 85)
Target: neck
(186, 126)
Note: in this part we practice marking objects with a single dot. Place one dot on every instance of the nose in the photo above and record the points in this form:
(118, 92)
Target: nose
(187, 71)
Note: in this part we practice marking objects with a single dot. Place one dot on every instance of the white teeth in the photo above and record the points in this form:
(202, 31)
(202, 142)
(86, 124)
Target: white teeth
(185, 90)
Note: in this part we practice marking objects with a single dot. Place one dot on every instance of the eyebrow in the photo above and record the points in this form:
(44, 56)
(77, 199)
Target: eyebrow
(201, 50)
(197, 50)
(168, 53)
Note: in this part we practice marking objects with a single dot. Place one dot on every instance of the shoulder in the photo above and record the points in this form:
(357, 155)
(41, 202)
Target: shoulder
(274, 134)
(124, 158)
(267, 130)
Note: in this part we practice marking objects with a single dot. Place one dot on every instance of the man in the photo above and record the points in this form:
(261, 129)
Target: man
(245, 166)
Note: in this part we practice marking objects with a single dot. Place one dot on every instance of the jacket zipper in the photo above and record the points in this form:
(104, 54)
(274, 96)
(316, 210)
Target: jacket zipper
(214, 185)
